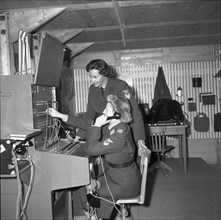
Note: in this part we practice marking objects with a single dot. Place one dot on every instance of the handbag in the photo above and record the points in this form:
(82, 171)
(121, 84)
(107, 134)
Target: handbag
(192, 106)
(201, 122)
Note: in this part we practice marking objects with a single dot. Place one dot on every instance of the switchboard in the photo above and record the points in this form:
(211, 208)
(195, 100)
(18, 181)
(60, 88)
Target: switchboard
(48, 163)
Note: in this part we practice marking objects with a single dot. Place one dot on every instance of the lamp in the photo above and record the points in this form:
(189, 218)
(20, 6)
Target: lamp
(179, 93)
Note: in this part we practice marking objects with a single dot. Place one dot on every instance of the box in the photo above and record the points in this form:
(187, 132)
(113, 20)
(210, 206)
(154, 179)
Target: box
(6, 158)
(207, 98)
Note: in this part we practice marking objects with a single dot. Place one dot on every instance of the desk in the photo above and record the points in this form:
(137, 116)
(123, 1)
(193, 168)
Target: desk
(181, 132)
(55, 173)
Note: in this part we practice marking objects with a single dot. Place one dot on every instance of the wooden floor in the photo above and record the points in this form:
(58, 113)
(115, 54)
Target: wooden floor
(194, 196)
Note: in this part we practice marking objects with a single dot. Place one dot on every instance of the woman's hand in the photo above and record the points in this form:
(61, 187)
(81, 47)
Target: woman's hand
(54, 113)
(101, 120)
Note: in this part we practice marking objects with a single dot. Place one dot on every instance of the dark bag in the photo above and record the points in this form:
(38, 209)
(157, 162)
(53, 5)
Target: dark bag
(201, 123)
(217, 122)
(192, 106)
(165, 110)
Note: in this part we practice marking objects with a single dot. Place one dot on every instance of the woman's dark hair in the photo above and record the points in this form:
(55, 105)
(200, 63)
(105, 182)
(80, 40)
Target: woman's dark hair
(121, 106)
(100, 65)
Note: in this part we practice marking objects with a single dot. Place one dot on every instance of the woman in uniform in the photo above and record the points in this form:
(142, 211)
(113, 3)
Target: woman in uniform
(115, 144)
(104, 83)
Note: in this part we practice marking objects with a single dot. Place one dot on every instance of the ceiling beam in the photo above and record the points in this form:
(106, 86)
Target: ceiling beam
(149, 2)
(31, 5)
(170, 23)
(108, 4)
(120, 20)
(29, 20)
(77, 48)
(155, 24)
(64, 35)
(162, 38)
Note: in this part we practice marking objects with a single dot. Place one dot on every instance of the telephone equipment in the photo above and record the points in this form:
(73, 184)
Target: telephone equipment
(115, 116)
(95, 185)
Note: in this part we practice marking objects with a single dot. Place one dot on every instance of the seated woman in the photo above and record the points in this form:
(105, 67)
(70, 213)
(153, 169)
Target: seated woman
(115, 144)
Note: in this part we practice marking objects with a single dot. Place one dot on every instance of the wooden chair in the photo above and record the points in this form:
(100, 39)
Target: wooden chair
(145, 156)
(156, 141)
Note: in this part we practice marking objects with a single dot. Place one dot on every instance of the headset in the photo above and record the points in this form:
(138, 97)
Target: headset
(115, 116)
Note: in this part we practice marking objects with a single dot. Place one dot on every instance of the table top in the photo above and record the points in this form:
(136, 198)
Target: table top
(167, 125)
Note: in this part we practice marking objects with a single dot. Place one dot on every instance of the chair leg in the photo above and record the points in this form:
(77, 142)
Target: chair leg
(165, 171)
(165, 167)
(154, 166)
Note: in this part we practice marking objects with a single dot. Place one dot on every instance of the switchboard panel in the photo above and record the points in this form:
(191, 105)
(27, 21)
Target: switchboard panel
(43, 98)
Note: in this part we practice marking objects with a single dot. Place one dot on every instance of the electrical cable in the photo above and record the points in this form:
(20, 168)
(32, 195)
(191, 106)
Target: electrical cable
(19, 184)
(30, 186)
(113, 200)
(93, 213)
(51, 126)
(21, 205)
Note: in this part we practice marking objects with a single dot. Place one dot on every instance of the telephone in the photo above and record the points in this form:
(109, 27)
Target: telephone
(115, 116)
(95, 185)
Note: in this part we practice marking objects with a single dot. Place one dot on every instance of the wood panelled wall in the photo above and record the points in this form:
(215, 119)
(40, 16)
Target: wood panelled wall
(142, 79)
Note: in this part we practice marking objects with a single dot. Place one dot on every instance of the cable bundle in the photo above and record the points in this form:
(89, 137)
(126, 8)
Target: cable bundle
(22, 200)
(92, 210)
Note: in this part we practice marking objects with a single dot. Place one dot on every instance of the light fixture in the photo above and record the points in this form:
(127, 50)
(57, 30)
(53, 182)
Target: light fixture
(179, 91)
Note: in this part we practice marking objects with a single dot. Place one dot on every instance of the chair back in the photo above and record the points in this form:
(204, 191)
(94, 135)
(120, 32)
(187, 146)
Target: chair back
(144, 154)
(156, 139)
(144, 160)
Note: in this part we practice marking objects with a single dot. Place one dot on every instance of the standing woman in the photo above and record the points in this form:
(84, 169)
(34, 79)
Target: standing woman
(103, 84)
(121, 177)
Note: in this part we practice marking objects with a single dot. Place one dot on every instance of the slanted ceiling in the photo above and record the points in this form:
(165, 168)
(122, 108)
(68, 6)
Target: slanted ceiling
(118, 25)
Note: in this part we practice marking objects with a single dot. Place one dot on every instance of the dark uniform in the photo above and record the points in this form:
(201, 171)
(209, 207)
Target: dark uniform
(123, 175)
(97, 103)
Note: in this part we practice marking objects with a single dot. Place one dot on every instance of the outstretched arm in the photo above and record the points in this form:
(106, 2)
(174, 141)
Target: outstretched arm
(56, 114)
(75, 121)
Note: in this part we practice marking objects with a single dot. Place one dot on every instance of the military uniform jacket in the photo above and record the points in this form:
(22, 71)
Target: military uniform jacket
(97, 103)
(117, 147)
